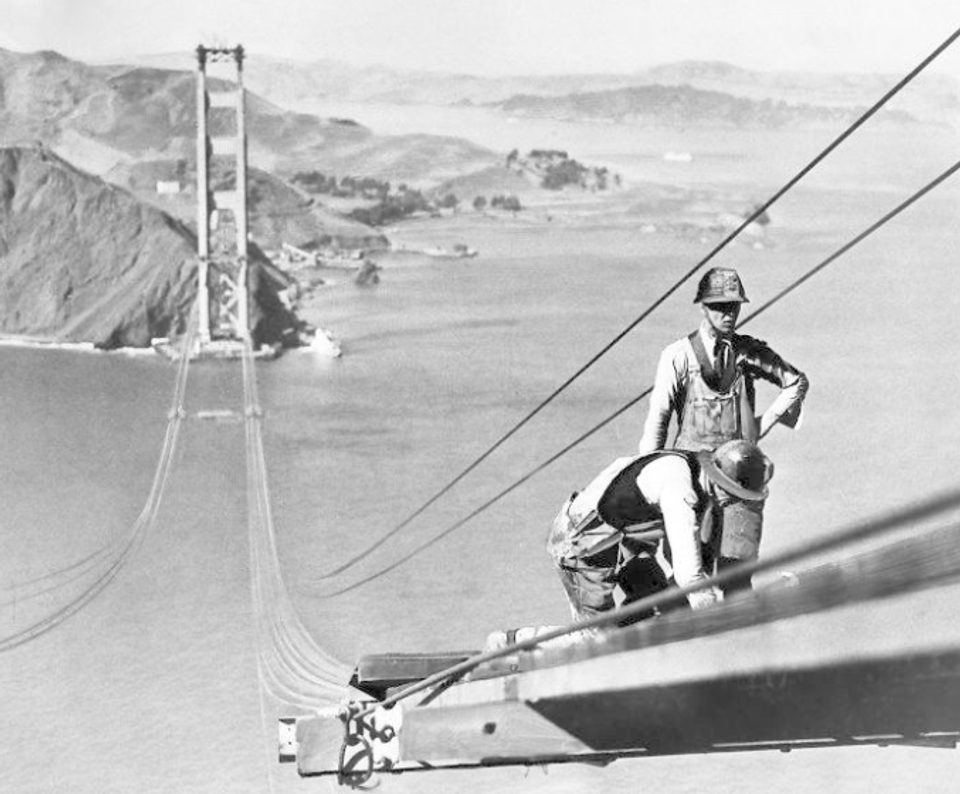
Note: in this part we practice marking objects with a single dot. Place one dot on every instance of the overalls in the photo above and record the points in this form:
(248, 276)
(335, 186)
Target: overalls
(719, 408)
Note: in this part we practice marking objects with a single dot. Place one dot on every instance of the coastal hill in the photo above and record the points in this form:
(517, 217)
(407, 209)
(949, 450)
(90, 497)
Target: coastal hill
(98, 117)
(932, 97)
(277, 211)
(683, 107)
(84, 261)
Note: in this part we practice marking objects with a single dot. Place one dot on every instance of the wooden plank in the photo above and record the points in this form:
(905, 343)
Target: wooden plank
(376, 674)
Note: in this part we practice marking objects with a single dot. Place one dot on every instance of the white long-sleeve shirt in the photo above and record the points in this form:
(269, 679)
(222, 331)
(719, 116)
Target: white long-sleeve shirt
(667, 483)
(758, 362)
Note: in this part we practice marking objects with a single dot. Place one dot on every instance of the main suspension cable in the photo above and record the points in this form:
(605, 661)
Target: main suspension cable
(757, 212)
(291, 665)
(864, 530)
(584, 436)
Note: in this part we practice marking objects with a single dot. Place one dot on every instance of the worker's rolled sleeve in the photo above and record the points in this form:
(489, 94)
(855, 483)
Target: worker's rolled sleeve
(759, 362)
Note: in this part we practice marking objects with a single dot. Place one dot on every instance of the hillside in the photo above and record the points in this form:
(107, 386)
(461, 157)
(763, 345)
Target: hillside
(140, 113)
(101, 116)
(495, 180)
(422, 160)
(277, 212)
(682, 106)
(83, 261)
(932, 97)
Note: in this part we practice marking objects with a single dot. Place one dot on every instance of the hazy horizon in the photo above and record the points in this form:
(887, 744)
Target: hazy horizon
(500, 37)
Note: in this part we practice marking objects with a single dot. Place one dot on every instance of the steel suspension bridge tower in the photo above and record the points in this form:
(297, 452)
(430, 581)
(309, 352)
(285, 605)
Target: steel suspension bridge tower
(223, 272)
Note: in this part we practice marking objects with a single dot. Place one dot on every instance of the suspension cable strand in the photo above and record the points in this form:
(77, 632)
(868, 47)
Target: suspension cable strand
(133, 542)
(756, 213)
(123, 548)
(869, 529)
(67, 570)
(41, 585)
(55, 580)
(583, 437)
(291, 666)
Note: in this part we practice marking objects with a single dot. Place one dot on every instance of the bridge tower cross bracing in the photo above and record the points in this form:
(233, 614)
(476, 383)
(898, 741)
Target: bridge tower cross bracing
(224, 311)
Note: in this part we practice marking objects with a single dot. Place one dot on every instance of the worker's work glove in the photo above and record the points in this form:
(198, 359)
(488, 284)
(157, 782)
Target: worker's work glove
(704, 598)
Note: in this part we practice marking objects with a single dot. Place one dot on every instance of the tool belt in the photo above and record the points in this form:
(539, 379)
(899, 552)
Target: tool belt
(613, 551)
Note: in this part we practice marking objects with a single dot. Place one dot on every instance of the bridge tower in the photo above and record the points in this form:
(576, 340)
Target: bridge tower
(224, 310)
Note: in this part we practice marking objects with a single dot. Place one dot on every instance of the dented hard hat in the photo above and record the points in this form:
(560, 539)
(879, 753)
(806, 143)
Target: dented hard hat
(720, 285)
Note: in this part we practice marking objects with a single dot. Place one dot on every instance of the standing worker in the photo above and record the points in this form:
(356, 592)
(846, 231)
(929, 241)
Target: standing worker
(607, 535)
(708, 380)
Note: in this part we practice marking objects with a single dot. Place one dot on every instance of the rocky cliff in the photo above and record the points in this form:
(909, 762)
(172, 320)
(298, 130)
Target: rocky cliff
(84, 261)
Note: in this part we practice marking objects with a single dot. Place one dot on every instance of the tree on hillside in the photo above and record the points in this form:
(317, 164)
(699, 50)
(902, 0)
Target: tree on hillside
(565, 172)
(479, 203)
(509, 203)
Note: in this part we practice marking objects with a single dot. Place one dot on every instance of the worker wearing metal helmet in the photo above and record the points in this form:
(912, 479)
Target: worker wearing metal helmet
(606, 536)
(708, 380)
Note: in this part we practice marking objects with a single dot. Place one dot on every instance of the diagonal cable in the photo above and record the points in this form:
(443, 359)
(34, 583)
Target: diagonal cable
(580, 439)
(757, 212)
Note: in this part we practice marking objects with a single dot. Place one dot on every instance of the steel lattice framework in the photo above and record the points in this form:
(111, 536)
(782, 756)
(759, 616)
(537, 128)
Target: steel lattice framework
(222, 200)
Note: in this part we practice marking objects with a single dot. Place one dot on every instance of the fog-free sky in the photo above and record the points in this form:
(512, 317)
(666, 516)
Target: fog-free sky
(503, 36)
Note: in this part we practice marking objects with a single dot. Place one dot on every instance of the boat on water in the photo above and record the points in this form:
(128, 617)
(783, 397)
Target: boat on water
(862, 652)
(459, 251)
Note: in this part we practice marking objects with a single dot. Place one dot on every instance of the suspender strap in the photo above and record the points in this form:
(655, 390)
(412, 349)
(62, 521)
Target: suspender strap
(589, 521)
(601, 546)
(710, 375)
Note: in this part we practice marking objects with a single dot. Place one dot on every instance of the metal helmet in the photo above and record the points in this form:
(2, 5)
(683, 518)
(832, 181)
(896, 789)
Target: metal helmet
(740, 468)
(720, 285)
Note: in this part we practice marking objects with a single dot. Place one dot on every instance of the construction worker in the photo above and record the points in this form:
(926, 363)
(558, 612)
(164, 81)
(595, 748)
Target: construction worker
(607, 535)
(708, 380)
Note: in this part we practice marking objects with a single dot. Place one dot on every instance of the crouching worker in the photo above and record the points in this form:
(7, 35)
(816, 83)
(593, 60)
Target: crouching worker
(607, 535)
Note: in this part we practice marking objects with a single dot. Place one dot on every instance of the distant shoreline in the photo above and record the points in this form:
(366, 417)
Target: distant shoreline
(46, 343)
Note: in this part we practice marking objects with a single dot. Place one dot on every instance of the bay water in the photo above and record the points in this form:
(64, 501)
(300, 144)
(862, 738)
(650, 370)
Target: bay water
(153, 686)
